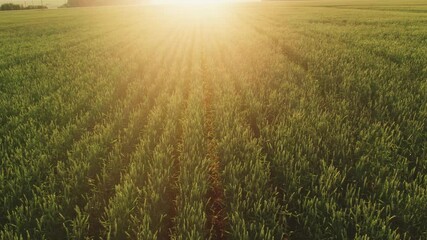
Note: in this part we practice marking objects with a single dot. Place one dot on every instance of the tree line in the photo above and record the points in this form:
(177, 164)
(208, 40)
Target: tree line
(12, 6)
(84, 3)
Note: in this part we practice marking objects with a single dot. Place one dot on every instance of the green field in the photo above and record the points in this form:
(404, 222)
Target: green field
(275, 120)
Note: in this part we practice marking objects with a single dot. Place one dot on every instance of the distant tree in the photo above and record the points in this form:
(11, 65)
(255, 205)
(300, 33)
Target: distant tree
(10, 6)
(35, 7)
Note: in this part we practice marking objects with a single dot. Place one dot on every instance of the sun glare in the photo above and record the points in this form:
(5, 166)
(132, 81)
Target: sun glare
(193, 2)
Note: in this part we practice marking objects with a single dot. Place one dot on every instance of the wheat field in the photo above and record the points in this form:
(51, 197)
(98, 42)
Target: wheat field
(270, 120)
